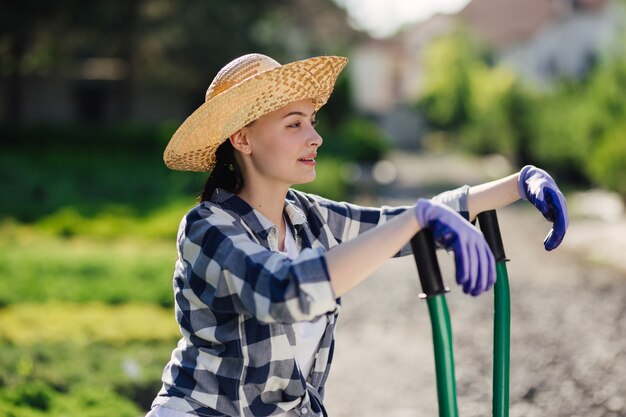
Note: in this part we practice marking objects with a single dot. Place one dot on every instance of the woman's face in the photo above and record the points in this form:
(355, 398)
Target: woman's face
(283, 144)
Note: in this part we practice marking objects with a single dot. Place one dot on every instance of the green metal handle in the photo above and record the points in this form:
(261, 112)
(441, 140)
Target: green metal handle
(501, 343)
(502, 316)
(444, 355)
(434, 292)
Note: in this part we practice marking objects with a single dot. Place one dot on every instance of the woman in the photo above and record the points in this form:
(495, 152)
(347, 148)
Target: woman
(261, 266)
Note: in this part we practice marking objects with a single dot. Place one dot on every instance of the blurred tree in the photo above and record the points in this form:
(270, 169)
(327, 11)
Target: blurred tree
(482, 107)
(575, 129)
(446, 100)
(178, 44)
(185, 43)
(51, 39)
(17, 20)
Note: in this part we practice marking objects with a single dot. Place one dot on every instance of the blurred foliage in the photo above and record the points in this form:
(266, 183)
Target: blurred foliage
(574, 129)
(607, 165)
(357, 139)
(83, 269)
(68, 379)
(83, 330)
(173, 44)
(38, 399)
(88, 168)
(28, 324)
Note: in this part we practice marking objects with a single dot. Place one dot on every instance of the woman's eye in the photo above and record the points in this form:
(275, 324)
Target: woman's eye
(299, 123)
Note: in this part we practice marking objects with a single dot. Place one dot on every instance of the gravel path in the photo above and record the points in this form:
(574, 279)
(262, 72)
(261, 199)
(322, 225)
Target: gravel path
(568, 330)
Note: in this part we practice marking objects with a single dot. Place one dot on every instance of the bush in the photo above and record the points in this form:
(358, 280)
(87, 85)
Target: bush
(357, 139)
(30, 400)
(41, 182)
(27, 324)
(482, 108)
(607, 164)
(38, 400)
(446, 101)
(35, 267)
(573, 130)
(67, 379)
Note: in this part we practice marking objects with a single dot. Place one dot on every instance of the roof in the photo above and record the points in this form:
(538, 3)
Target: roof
(502, 22)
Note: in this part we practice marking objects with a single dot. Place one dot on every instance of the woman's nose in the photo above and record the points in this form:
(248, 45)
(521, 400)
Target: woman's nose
(316, 139)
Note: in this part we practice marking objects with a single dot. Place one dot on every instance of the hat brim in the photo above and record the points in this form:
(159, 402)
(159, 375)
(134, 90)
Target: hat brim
(193, 145)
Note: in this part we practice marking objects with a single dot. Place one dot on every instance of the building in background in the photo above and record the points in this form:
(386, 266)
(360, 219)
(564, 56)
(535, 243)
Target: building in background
(541, 40)
(97, 92)
(546, 40)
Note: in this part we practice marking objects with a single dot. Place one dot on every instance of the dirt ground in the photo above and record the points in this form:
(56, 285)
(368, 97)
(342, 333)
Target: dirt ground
(568, 322)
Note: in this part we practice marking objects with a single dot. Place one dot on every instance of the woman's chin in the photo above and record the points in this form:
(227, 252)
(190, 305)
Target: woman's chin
(306, 180)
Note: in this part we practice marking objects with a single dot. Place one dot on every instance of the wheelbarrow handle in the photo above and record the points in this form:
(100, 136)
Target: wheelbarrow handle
(434, 292)
(427, 265)
(502, 316)
(488, 221)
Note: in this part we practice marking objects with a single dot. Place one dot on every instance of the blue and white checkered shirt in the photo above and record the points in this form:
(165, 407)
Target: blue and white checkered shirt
(237, 298)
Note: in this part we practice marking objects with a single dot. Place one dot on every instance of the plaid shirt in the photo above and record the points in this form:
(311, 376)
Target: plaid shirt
(237, 297)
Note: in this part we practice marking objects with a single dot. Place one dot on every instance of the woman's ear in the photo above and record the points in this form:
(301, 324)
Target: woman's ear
(240, 141)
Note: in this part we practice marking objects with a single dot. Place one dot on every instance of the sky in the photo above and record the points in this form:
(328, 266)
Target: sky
(382, 18)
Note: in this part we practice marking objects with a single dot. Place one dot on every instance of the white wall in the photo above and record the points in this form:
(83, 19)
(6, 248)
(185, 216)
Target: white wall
(564, 46)
(373, 72)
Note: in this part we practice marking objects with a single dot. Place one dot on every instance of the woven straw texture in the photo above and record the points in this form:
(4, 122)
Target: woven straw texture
(244, 90)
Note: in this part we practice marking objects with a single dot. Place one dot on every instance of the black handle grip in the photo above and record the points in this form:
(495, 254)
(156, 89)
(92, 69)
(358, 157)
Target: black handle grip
(427, 264)
(488, 221)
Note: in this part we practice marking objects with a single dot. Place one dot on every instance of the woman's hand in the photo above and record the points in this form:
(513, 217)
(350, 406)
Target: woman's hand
(538, 187)
(475, 264)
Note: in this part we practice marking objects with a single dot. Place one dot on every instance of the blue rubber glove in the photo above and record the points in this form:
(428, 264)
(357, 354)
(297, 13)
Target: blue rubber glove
(474, 261)
(538, 187)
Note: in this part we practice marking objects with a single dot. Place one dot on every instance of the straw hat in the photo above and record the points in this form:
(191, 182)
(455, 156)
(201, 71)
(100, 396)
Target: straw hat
(244, 90)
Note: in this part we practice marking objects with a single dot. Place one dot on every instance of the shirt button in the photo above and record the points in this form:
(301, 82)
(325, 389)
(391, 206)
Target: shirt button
(304, 410)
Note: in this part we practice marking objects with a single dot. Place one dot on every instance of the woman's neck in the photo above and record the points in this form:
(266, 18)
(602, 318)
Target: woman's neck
(269, 202)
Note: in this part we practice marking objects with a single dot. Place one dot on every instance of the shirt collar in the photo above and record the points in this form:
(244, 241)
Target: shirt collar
(257, 222)
(295, 214)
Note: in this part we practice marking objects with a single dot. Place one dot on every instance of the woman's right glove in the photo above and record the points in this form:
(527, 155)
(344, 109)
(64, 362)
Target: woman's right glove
(474, 261)
(538, 187)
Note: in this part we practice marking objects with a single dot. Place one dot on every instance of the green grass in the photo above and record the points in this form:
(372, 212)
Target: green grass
(38, 267)
(39, 400)
(27, 324)
(69, 379)
(83, 327)
(117, 222)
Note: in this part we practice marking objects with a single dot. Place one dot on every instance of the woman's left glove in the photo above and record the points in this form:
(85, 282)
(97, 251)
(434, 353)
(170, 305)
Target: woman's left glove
(475, 265)
(538, 187)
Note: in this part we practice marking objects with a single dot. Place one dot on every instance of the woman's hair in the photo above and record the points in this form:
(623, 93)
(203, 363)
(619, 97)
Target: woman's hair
(226, 173)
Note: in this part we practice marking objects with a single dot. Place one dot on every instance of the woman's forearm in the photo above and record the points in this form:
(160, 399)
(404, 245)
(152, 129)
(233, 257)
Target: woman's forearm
(352, 261)
(492, 195)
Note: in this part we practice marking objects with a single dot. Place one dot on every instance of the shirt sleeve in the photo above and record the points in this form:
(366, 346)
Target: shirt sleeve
(223, 267)
(346, 221)
(456, 199)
